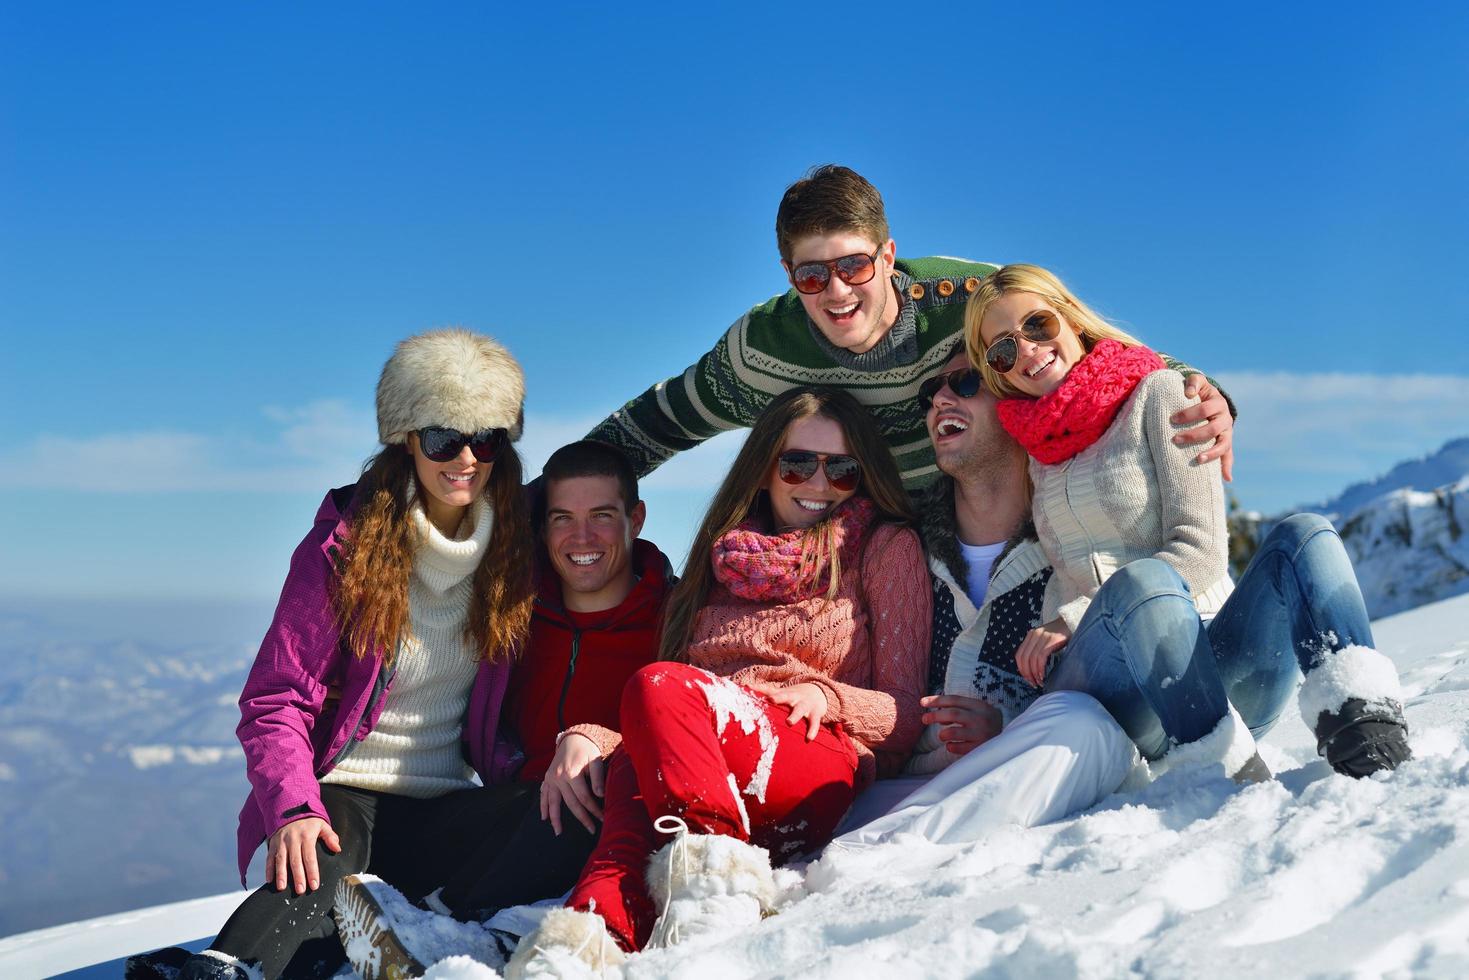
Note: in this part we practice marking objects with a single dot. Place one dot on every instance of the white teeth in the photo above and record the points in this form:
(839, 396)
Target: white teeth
(1037, 369)
(812, 505)
(950, 426)
(843, 310)
(459, 479)
(590, 558)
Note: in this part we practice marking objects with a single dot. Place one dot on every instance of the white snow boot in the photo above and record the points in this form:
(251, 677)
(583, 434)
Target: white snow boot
(707, 883)
(1354, 704)
(567, 944)
(1230, 745)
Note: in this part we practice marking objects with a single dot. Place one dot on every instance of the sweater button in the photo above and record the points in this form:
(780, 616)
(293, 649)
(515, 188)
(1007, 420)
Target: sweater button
(971, 284)
(916, 290)
(945, 287)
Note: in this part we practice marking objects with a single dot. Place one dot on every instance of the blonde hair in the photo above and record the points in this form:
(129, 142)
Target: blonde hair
(1019, 277)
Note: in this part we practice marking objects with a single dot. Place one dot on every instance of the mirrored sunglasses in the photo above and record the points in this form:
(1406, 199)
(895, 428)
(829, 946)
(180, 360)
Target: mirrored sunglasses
(797, 466)
(813, 277)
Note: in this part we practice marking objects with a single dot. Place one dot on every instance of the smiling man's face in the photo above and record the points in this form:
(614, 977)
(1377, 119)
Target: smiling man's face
(589, 538)
(851, 317)
(966, 432)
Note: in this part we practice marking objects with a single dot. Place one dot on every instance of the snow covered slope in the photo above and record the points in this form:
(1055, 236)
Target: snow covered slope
(1312, 874)
(1411, 547)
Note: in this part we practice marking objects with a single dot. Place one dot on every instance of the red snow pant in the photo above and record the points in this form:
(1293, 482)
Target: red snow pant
(677, 758)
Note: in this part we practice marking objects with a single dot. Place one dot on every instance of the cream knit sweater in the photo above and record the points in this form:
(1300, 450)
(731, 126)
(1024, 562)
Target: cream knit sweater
(414, 749)
(1133, 494)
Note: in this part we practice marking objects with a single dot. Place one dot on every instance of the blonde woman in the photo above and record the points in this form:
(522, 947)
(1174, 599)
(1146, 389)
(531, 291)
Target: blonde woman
(1141, 612)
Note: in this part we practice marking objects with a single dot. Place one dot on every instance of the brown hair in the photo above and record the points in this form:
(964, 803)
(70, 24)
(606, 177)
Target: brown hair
(371, 596)
(1019, 277)
(587, 457)
(827, 200)
(741, 496)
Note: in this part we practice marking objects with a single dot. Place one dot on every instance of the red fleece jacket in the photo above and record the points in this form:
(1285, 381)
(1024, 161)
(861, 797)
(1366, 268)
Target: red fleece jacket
(576, 664)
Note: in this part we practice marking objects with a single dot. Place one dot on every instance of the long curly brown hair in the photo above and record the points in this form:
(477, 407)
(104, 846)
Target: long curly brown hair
(740, 496)
(371, 596)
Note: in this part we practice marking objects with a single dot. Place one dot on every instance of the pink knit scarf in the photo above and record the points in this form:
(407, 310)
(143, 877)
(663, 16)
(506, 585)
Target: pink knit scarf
(774, 567)
(1058, 425)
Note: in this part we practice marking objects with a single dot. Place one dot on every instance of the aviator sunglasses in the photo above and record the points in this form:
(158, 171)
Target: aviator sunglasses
(813, 277)
(1005, 351)
(963, 382)
(441, 443)
(797, 466)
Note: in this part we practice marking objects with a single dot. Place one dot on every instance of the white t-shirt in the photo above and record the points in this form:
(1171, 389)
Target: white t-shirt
(980, 558)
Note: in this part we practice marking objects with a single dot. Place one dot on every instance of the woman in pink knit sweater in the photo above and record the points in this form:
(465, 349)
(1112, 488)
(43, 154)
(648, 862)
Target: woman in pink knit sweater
(794, 654)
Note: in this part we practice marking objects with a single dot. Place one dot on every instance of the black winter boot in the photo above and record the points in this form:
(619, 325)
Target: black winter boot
(203, 966)
(1363, 737)
(161, 964)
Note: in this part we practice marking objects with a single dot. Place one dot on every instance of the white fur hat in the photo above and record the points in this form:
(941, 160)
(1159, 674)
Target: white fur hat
(452, 377)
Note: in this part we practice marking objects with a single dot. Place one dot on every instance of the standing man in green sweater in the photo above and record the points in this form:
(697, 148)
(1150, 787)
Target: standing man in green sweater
(858, 318)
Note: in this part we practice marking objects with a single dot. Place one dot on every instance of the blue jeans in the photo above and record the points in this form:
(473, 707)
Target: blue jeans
(1143, 652)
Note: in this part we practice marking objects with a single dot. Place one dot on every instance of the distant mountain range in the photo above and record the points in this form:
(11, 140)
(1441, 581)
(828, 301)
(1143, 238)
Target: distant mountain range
(1405, 531)
(1429, 472)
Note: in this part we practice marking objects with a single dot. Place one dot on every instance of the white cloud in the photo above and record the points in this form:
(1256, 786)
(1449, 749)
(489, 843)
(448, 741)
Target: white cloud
(1305, 437)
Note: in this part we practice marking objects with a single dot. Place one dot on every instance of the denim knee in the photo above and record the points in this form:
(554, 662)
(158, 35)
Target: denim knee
(1141, 580)
(1295, 532)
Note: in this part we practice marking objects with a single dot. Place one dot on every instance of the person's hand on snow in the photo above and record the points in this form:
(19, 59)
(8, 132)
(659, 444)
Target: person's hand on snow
(1219, 425)
(806, 701)
(967, 722)
(575, 779)
(292, 852)
(1038, 647)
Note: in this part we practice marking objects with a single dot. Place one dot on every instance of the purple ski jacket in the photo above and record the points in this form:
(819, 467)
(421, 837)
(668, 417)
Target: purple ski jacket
(292, 733)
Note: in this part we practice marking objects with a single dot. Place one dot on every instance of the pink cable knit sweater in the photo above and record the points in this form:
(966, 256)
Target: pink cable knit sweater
(867, 648)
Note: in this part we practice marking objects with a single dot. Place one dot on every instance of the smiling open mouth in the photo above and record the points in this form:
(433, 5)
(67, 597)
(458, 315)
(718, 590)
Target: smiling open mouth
(949, 427)
(585, 558)
(1037, 368)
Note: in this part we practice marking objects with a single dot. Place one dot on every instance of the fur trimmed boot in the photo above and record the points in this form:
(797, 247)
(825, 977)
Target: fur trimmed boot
(1354, 704)
(567, 944)
(1230, 744)
(706, 883)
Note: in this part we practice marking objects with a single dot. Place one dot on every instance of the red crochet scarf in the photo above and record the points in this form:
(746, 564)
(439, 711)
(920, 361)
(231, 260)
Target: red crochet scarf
(775, 568)
(1056, 426)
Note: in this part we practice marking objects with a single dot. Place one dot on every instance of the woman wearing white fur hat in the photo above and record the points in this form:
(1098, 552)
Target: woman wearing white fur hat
(390, 647)
(1140, 611)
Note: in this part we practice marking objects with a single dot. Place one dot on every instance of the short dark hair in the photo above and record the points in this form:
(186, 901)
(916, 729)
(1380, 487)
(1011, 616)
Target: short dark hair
(829, 199)
(588, 457)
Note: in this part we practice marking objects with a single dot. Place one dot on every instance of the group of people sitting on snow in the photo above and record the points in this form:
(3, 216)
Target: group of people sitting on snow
(968, 569)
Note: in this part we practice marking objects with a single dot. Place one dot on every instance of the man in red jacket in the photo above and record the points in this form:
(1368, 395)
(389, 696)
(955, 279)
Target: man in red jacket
(596, 621)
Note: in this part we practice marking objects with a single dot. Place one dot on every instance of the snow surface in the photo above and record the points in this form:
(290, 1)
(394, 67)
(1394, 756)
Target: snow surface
(1312, 874)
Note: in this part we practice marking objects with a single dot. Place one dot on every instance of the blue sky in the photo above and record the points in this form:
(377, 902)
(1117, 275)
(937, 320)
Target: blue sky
(215, 221)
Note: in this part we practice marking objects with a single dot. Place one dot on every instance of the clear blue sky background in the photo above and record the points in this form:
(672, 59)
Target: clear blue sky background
(216, 220)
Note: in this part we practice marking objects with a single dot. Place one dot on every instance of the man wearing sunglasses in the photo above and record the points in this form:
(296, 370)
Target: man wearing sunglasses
(858, 318)
(1025, 760)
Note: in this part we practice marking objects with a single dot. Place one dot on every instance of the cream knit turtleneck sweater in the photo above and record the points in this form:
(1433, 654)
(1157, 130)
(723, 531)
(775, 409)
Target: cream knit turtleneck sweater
(414, 749)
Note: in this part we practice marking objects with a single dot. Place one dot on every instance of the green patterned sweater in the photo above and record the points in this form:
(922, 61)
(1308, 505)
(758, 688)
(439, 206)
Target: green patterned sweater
(776, 347)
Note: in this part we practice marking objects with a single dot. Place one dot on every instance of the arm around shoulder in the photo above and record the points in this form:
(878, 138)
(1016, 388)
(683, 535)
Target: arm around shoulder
(1190, 493)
